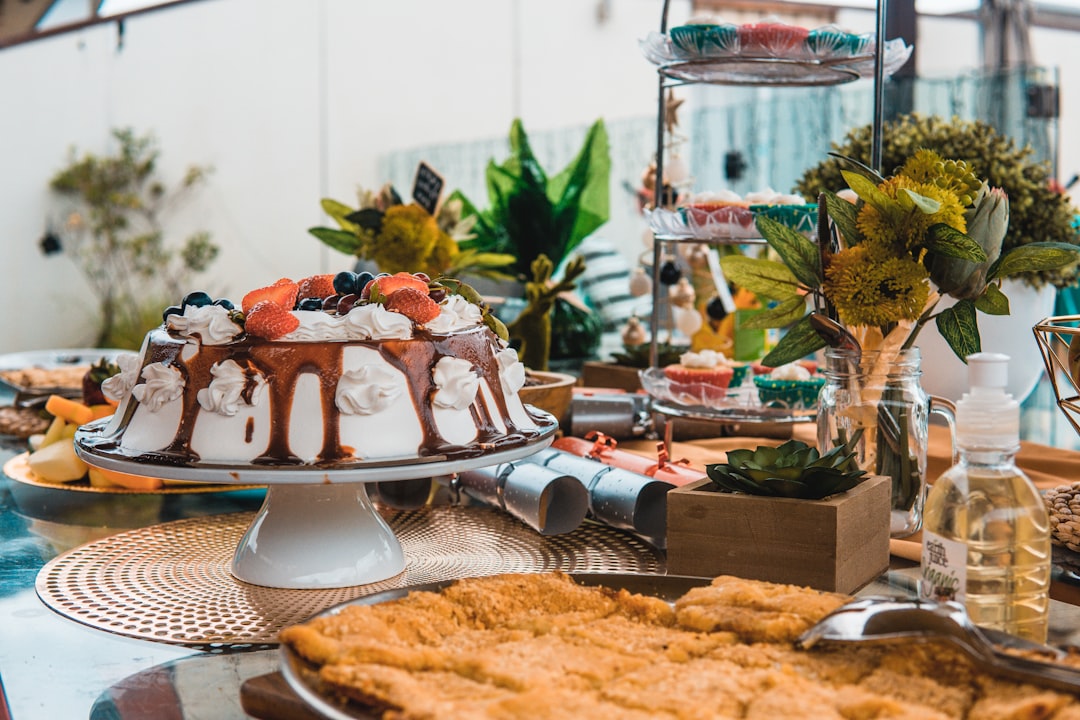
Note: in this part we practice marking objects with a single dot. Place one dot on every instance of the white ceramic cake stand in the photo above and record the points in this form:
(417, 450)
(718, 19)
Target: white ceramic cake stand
(317, 528)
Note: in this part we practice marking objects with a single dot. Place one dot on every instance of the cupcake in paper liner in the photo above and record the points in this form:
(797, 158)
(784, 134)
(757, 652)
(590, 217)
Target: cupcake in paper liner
(772, 39)
(790, 386)
(830, 42)
(722, 40)
(690, 41)
(704, 375)
(801, 217)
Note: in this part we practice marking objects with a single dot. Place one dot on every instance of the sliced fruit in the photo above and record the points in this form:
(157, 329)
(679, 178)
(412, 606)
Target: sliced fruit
(55, 432)
(102, 410)
(283, 293)
(413, 304)
(133, 482)
(71, 410)
(316, 286)
(57, 463)
(269, 320)
(387, 285)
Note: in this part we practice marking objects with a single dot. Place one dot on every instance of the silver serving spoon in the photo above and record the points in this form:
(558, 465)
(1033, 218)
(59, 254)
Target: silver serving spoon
(877, 620)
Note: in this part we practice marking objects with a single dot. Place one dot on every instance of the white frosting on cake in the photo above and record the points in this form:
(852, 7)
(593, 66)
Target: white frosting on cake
(455, 313)
(456, 383)
(368, 389)
(211, 324)
(163, 385)
(225, 393)
(364, 322)
(119, 385)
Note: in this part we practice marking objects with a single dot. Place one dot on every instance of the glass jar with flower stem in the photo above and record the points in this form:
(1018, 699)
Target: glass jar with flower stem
(873, 279)
(873, 402)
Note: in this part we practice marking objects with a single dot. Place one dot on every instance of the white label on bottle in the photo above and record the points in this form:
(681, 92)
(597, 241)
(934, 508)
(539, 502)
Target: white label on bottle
(944, 568)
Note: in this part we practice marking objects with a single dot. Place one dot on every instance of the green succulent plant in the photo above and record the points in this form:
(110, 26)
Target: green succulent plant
(791, 470)
(1037, 212)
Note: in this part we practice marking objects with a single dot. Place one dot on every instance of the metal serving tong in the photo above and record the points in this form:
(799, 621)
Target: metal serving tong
(880, 620)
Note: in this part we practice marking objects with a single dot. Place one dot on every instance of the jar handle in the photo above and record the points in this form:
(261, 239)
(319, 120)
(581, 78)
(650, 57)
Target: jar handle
(947, 409)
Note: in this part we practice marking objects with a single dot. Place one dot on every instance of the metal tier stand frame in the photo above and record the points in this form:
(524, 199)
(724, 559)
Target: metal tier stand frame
(666, 81)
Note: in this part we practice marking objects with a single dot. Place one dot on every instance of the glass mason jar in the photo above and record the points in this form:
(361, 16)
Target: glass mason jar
(875, 403)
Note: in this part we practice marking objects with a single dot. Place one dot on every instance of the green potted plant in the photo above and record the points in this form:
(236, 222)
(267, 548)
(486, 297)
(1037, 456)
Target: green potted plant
(114, 234)
(533, 215)
(786, 514)
(1038, 212)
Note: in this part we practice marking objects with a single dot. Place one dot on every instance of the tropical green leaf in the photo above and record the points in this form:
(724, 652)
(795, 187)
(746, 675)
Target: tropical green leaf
(927, 206)
(765, 278)
(867, 171)
(844, 215)
(870, 194)
(798, 342)
(784, 313)
(581, 189)
(960, 328)
(992, 301)
(946, 240)
(801, 255)
(339, 240)
(1034, 257)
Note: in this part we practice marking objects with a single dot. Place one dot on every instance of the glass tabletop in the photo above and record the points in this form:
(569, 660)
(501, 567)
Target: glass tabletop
(53, 667)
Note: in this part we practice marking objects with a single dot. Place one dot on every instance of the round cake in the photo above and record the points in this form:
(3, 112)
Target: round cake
(330, 371)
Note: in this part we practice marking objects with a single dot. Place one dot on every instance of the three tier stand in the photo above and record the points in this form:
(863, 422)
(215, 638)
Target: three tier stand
(704, 63)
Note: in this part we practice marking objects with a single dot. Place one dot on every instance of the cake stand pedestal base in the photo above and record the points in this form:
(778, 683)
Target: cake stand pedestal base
(317, 536)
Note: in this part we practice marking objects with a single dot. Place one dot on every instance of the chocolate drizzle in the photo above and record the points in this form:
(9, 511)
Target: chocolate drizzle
(282, 364)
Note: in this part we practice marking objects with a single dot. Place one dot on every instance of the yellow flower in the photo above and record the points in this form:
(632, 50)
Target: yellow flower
(406, 239)
(442, 256)
(872, 288)
(908, 230)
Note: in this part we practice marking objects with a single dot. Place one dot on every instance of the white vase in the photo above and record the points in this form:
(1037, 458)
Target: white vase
(945, 375)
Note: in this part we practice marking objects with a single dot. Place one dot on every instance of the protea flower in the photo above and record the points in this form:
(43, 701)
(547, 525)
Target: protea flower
(792, 470)
(987, 222)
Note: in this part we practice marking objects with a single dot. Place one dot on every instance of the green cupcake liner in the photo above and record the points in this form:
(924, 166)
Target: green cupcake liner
(790, 393)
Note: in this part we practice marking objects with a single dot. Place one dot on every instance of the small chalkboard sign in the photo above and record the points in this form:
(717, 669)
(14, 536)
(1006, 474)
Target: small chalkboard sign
(427, 187)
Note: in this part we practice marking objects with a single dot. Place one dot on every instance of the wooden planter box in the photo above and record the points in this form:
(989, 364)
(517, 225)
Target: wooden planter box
(837, 544)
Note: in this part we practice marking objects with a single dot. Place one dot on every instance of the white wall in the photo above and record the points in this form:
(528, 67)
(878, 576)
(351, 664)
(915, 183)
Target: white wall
(293, 101)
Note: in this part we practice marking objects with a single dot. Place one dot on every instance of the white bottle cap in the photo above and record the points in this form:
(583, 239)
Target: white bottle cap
(987, 416)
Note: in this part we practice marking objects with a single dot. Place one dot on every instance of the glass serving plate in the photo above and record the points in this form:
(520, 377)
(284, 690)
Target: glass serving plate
(791, 66)
(734, 404)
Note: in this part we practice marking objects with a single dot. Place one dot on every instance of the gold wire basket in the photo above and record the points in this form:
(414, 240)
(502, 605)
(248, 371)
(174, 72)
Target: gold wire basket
(1059, 343)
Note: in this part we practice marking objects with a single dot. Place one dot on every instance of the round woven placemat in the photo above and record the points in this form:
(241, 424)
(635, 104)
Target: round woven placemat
(171, 582)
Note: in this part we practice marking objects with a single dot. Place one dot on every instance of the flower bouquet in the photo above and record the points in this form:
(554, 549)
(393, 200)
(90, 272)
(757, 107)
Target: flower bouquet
(405, 237)
(888, 250)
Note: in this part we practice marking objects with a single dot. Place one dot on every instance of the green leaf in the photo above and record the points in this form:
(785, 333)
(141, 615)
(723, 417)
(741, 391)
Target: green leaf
(801, 255)
(927, 206)
(765, 278)
(870, 194)
(798, 342)
(339, 212)
(785, 312)
(580, 191)
(367, 218)
(992, 301)
(867, 171)
(948, 241)
(1034, 257)
(844, 215)
(960, 328)
(339, 240)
